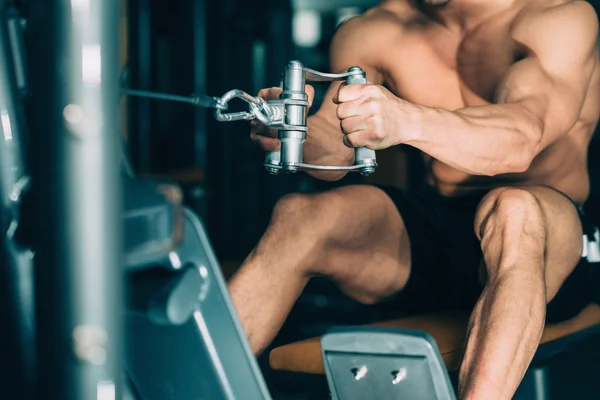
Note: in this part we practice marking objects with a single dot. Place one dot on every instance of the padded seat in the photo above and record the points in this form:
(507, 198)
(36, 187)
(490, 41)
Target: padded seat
(448, 330)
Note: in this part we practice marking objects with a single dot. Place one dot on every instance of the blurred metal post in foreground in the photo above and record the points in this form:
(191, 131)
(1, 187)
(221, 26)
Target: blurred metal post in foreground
(74, 74)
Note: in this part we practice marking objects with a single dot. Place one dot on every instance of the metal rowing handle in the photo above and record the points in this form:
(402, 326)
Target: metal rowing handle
(290, 112)
(363, 156)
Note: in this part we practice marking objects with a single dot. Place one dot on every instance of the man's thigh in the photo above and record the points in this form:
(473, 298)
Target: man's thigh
(563, 231)
(365, 246)
(444, 252)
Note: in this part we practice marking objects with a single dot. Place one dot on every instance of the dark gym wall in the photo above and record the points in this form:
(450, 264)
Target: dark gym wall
(252, 43)
(161, 47)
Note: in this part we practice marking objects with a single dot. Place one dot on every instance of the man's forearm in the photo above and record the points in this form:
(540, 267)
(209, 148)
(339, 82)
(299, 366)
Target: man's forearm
(485, 140)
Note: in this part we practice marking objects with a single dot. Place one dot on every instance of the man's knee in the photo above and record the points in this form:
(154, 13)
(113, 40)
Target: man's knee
(291, 206)
(294, 233)
(302, 209)
(510, 209)
(308, 217)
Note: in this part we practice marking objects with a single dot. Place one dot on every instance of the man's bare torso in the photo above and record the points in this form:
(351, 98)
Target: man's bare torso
(456, 67)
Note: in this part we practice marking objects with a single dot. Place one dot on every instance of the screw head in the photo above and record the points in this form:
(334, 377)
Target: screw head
(360, 372)
(366, 171)
(399, 375)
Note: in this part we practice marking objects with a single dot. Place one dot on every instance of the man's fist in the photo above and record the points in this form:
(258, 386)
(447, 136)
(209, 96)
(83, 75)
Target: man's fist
(371, 116)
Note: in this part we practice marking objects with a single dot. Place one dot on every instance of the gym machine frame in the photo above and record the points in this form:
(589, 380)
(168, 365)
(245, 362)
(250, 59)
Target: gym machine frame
(77, 194)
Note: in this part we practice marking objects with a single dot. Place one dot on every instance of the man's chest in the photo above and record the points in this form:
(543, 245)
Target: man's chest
(453, 73)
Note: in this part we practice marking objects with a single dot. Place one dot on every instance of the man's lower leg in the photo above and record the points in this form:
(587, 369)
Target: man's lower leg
(508, 320)
(270, 280)
(504, 333)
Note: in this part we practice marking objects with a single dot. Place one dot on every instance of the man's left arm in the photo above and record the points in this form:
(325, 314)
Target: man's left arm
(537, 103)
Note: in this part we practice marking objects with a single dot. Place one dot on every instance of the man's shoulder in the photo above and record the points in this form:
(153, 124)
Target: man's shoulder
(381, 22)
(554, 21)
(371, 39)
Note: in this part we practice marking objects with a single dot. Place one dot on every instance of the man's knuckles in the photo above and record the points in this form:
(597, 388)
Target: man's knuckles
(369, 90)
(373, 107)
(355, 139)
(347, 125)
(354, 92)
(348, 93)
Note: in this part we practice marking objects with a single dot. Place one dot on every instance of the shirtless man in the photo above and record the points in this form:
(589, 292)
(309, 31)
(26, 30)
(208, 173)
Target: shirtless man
(502, 98)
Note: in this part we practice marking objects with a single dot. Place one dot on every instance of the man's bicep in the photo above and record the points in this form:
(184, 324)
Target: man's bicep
(551, 82)
(550, 104)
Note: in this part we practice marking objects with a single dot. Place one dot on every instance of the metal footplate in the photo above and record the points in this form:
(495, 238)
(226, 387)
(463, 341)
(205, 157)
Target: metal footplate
(383, 363)
(290, 116)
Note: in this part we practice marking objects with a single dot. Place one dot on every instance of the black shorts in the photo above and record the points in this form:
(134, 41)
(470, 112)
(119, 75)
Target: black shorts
(446, 257)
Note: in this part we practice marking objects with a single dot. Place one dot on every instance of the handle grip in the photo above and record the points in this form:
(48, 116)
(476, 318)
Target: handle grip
(364, 159)
(363, 156)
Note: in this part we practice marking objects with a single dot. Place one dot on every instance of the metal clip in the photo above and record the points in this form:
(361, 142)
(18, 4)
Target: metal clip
(259, 109)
